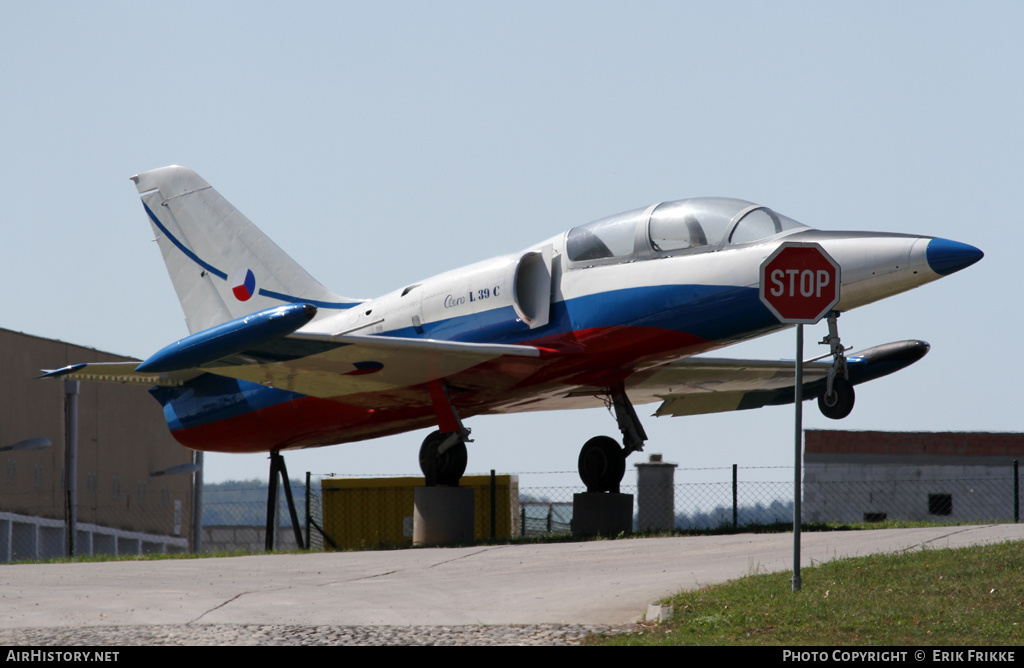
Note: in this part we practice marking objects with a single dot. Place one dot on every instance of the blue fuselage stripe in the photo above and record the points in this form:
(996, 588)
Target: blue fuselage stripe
(710, 312)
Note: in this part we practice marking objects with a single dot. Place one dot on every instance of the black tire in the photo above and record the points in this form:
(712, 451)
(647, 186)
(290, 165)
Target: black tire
(602, 464)
(449, 466)
(840, 404)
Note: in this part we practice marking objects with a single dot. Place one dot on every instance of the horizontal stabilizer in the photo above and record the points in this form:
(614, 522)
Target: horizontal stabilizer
(121, 372)
(229, 338)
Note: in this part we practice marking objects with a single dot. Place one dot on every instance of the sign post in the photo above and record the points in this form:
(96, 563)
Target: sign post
(799, 284)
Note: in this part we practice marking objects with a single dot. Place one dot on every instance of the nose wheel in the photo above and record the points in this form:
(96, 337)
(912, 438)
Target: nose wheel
(837, 396)
(839, 403)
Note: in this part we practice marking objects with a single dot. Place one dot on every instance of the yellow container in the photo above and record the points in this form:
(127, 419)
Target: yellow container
(377, 512)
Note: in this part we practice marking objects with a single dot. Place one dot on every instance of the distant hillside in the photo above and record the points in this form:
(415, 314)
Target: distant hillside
(244, 503)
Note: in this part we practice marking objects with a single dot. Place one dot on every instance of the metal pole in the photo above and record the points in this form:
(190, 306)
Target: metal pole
(197, 505)
(309, 533)
(272, 502)
(798, 400)
(1016, 492)
(70, 463)
(293, 515)
(494, 508)
(735, 511)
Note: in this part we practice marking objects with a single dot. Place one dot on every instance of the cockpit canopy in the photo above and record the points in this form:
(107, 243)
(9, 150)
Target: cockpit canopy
(705, 223)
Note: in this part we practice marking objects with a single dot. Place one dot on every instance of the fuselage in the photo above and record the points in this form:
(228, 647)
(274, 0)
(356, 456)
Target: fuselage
(605, 303)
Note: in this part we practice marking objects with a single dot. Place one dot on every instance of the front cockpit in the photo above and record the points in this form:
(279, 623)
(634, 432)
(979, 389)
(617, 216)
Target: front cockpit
(691, 225)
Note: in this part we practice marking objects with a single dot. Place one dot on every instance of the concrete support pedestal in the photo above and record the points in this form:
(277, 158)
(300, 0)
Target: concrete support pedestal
(442, 516)
(602, 513)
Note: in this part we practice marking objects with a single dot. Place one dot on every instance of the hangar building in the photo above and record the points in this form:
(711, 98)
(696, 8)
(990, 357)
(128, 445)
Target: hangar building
(122, 440)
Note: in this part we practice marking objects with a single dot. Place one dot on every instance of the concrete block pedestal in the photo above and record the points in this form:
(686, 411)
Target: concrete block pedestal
(602, 513)
(442, 516)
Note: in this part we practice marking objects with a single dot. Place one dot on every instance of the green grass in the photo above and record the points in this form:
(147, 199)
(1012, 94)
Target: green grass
(967, 596)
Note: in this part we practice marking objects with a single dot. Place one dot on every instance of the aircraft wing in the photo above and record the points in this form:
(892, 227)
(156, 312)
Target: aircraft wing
(697, 385)
(325, 366)
(383, 368)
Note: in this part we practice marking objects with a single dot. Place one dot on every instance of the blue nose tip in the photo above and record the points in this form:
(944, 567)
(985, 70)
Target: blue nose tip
(945, 256)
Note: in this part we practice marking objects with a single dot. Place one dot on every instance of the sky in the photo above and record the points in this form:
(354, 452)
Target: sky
(382, 143)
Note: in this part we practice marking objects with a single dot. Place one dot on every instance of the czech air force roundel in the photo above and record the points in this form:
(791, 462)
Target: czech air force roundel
(243, 284)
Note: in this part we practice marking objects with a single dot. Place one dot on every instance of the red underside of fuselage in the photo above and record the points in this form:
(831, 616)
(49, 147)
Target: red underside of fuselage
(594, 358)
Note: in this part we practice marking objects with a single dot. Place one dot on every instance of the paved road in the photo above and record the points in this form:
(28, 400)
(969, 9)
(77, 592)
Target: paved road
(592, 585)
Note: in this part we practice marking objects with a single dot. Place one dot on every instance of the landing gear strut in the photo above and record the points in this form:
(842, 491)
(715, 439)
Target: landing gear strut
(837, 396)
(277, 469)
(602, 463)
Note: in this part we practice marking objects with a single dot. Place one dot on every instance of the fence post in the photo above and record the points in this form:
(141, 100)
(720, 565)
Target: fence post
(309, 535)
(735, 506)
(494, 510)
(522, 521)
(1016, 493)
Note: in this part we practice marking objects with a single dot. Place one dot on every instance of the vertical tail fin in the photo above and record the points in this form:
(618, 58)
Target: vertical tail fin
(221, 265)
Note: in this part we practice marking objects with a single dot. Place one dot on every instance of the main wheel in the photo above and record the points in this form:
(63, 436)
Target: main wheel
(449, 466)
(840, 403)
(602, 464)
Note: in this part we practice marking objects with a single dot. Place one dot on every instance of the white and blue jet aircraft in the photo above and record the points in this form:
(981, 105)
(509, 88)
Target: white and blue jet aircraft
(610, 313)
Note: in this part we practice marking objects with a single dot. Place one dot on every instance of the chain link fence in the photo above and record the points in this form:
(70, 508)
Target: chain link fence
(234, 514)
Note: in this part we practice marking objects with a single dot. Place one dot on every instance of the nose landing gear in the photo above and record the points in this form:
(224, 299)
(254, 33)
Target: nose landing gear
(837, 396)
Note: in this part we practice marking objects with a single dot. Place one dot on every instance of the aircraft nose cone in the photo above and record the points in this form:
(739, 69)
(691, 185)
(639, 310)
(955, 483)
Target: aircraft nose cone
(945, 256)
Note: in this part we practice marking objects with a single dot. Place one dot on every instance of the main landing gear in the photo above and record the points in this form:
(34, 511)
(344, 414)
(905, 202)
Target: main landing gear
(602, 463)
(443, 455)
(837, 396)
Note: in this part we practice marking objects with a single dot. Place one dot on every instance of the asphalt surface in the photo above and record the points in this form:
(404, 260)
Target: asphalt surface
(488, 594)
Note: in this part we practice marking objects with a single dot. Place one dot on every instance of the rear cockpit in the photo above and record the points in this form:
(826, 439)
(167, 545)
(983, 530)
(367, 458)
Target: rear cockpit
(670, 228)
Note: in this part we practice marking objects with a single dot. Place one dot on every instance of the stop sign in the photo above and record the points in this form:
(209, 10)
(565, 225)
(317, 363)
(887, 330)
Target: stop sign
(799, 283)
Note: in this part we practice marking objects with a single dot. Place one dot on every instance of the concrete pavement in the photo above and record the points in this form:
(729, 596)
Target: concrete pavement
(591, 583)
